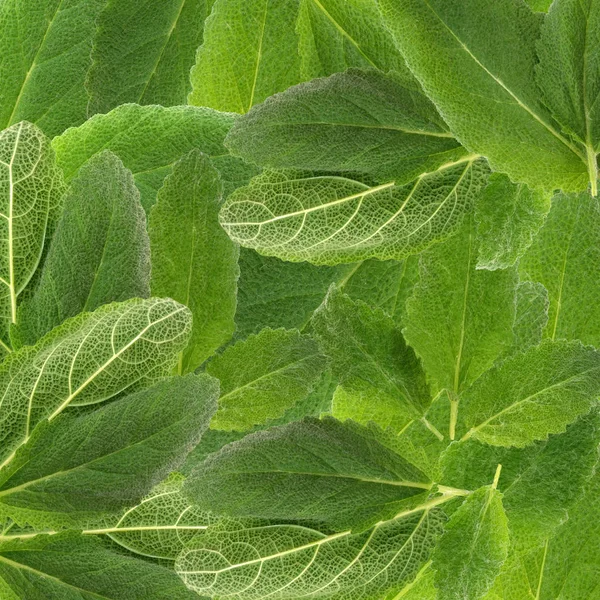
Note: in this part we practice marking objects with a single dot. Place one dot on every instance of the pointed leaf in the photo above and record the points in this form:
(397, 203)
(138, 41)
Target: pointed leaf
(44, 58)
(357, 121)
(99, 253)
(88, 359)
(329, 220)
(264, 375)
(319, 470)
(193, 260)
(480, 75)
(143, 52)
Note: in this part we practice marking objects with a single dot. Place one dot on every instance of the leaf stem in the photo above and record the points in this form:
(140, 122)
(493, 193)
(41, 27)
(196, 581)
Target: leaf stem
(592, 168)
(497, 477)
(432, 428)
(453, 413)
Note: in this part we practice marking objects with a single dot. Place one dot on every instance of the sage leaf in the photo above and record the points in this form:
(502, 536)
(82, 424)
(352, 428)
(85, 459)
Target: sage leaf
(75, 468)
(149, 140)
(31, 188)
(319, 470)
(480, 75)
(332, 219)
(99, 252)
(143, 52)
(45, 51)
(250, 51)
(359, 121)
(263, 376)
(193, 260)
(531, 316)
(285, 561)
(88, 359)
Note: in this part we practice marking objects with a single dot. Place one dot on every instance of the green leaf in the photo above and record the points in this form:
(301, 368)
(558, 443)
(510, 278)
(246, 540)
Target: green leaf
(357, 121)
(285, 562)
(369, 354)
(319, 470)
(564, 257)
(160, 525)
(99, 252)
(69, 566)
(539, 5)
(531, 395)
(250, 51)
(143, 52)
(422, 587)
(336, 34)
(88, 359)
(531, 316)
(508, 217)
(332, 219)
(469, 555)
(44, 58)
(568, 73)
(75, 468)
(479, 72)
(264, 375)
(149, 140)
(459, 320)
(193, 260)
(31, 187)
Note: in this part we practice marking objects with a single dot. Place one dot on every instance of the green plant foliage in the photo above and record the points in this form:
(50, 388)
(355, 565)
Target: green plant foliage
(299, 300)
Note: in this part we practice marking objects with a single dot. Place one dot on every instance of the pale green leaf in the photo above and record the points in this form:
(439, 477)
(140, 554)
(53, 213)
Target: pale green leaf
(319, 470)
(422, 587)
(359, 121)
(69, 566)
(45, 50)
(336, 34)
(473, 548)
(508, 217)
(564, 257)
(459, 320)
(329, 219)
(143, 52)
(149, 140)
(263, 376)
(193, 260)
(250, 51)
(531, 395)
(286, 562)
(78, 467)
(568, 73)
(476, 60)
(88, 359)
(369, 354)
(31, 187)
(99, 252)
(531, 316)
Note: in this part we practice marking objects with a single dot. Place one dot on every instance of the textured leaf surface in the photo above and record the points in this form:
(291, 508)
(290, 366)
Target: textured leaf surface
(459, 319)
(31, 187)
(531, 316)
(264, 375)
(250, 51)
(564, 257)
(99, 253)
(362, 121)
(369, 354)
(475, 543)
(531, 395)
(336, 34)
(193, 260)
(508, 217)
(319, 470)
(234, 562)
(149, 140)
(476, 62)
(86, 360)
(568, 73)
(44, 58)
(76, 467)
(329, 220)
(143, 52)
(71, 567)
